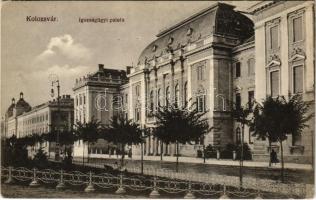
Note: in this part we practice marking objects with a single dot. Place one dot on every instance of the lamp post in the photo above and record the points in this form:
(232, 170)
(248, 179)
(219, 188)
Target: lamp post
(55, 81)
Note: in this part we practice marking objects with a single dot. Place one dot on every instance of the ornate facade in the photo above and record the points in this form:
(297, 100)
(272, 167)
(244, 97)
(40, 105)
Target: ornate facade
(215, 58)
(285, 54)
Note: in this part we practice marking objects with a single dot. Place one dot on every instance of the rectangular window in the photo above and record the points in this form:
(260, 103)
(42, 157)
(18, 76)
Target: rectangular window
(298, 79)
(297, 29)
(297, 140)
(274, 37)
(137, 90)
(251, 66)
(200, 73)
(238, 101)
(237, 69)
(200, 103)
(84, 99)
(274, 83)
(137, 114)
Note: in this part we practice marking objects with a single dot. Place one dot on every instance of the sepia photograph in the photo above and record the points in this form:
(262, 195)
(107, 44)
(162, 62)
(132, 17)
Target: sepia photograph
(158, 99)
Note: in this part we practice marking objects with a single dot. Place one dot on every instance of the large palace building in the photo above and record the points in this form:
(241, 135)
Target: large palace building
(216, 58)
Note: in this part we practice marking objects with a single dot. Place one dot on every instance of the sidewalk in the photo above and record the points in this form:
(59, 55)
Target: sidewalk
(212, 161)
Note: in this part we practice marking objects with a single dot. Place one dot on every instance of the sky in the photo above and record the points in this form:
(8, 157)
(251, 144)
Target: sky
(31, 51)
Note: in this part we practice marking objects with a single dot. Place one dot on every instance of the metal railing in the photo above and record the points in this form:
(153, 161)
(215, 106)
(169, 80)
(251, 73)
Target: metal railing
(155, 184)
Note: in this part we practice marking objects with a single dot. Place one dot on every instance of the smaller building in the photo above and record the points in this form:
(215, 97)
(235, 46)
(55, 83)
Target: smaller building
(98, 96)
(22, 120)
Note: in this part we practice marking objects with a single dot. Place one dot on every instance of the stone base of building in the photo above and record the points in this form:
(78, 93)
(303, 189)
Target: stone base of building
(299, 159)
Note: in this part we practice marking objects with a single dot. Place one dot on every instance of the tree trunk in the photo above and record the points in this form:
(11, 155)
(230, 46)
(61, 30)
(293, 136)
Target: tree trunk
(83, 153)
(88, 153)
(282, 163)
(142, 157)
(123, 154)
(48, 149)
(203, 153)
(241, 156)
(177, 154)
(270, 152)
(161, 150)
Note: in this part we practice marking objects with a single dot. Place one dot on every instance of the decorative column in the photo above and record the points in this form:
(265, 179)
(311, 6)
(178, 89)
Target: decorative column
(157, 146)
(284, 72)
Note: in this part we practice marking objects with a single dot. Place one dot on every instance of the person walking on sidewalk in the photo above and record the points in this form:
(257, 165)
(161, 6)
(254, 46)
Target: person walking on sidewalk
(274, 157)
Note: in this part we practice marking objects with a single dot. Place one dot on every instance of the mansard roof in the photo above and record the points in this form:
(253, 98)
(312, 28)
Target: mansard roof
(218, 19)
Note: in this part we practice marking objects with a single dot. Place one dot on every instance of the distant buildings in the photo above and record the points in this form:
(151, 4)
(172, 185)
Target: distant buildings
(21, 119)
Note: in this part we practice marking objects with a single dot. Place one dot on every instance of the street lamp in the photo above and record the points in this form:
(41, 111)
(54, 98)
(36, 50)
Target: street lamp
(55, 81)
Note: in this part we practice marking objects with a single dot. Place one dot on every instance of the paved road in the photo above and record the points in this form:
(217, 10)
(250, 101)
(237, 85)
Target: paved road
(19, 191)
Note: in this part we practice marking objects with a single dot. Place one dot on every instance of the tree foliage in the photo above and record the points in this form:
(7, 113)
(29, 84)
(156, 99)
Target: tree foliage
(180, 125)
(88, 131)
(277, 117)
(122, 131)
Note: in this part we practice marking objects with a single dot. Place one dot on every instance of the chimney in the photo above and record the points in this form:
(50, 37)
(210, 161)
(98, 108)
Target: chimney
(13, 100)
(101, 67)
(128, 69)
(21, 95)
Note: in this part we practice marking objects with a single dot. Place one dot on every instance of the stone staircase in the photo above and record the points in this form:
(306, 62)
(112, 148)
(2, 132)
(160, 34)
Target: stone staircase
(260, 151)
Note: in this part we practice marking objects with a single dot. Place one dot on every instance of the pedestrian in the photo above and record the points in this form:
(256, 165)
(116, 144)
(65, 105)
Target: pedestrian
(274, 157)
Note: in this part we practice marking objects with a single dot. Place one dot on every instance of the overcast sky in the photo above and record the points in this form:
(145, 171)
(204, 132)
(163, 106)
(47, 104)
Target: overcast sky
(31, 51)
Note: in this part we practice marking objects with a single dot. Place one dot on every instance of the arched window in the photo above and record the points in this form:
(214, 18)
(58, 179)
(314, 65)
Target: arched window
(167, 96)
(177, 95)
(185, 93)
(151, 98)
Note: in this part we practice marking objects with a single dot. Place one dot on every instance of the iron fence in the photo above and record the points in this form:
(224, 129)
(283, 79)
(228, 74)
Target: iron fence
(154, 185)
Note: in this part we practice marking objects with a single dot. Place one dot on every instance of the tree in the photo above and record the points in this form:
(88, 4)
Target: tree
(50, 137)
(121, 132)
(241, 114)
(13, 151)
(277, 117)
(40, 159)
(259, 125)
(88, 132)
(180, 125)
(67, 139)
